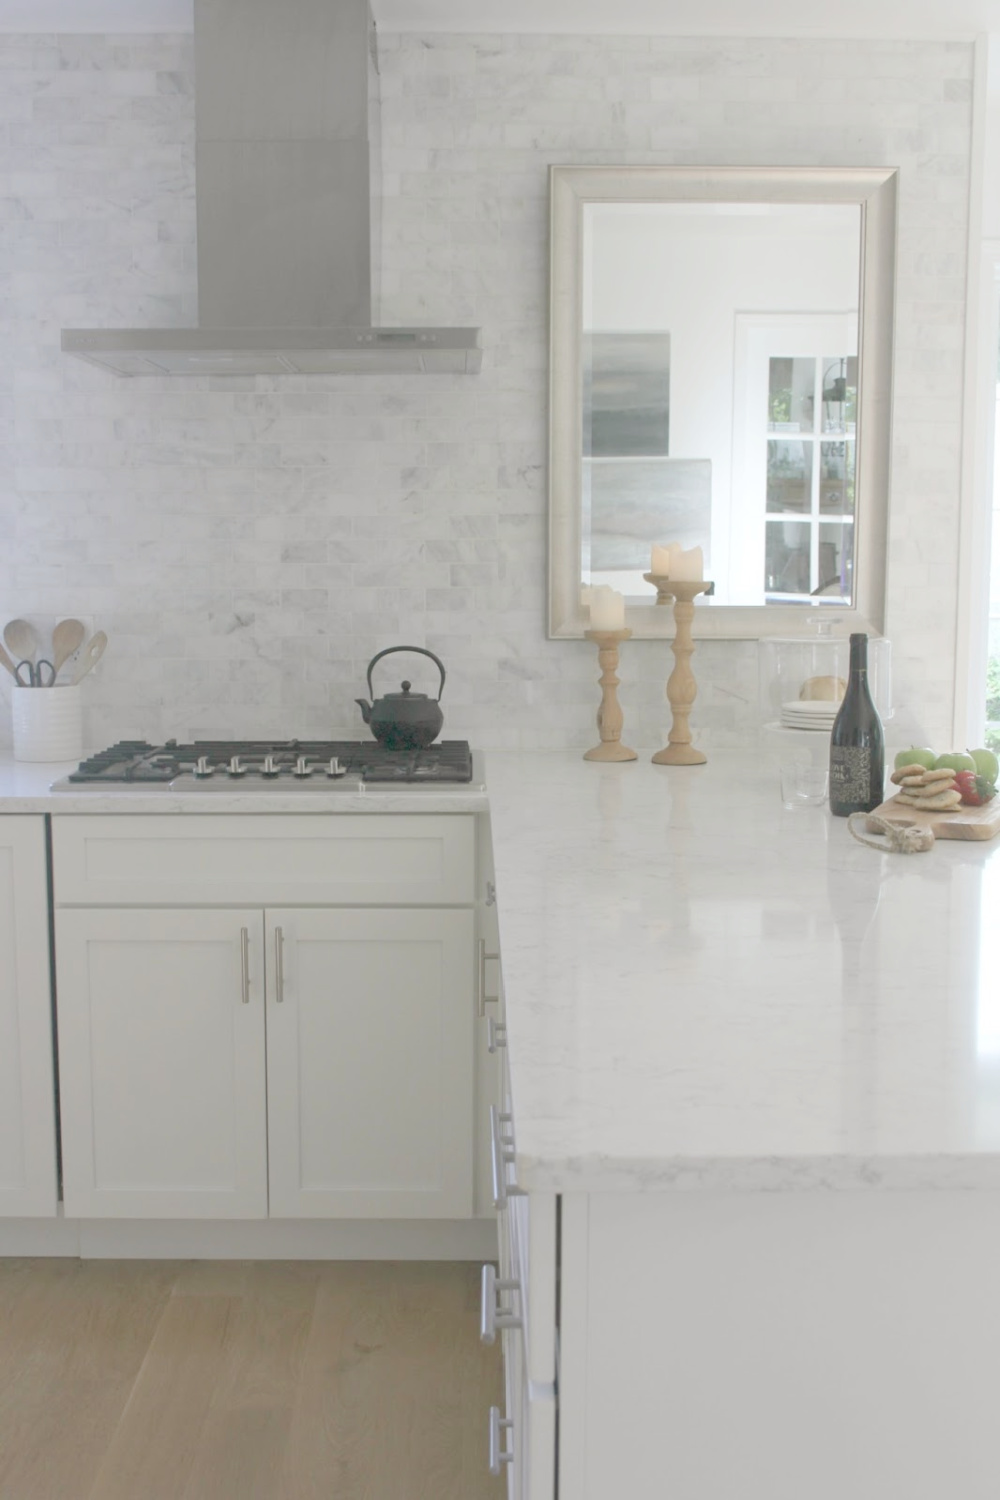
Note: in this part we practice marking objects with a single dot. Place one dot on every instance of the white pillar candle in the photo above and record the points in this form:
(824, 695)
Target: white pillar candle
(660, 566)
(688, 565)
(607, 609)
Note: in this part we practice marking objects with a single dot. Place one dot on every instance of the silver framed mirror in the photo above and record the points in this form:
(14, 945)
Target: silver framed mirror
(720, 376)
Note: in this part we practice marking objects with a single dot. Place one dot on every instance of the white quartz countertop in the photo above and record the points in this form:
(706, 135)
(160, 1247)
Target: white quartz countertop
(702, 989)
(26, 788)
(706, 991)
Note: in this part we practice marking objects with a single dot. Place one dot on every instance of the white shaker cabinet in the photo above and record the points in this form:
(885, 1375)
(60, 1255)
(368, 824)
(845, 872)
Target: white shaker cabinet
(28, 1181)
(267, 1016)
(489, 1014)
(162, 1071)
(521, 1309)
(369, 1063)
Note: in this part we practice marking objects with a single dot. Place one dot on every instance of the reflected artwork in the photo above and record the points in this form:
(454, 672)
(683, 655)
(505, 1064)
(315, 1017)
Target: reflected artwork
(626, 395)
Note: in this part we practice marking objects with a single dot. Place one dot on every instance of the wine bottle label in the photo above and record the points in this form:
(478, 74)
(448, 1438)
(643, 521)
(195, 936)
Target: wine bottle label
(851, 773)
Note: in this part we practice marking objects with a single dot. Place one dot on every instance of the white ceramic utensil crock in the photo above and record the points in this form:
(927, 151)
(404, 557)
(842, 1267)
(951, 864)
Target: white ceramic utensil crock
(47, 723)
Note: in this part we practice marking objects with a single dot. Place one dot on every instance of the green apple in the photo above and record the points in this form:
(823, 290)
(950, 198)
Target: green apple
(916, 756)
(987, 764)
(955, 760)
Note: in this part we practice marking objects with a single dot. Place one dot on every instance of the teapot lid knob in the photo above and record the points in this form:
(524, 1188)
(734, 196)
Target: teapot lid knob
(406, 686)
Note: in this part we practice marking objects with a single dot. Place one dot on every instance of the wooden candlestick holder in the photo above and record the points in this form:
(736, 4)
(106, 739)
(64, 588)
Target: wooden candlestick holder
(610, 718)
(681, 686)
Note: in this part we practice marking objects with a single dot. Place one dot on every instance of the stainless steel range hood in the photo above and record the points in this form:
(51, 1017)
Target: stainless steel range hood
(287, 169)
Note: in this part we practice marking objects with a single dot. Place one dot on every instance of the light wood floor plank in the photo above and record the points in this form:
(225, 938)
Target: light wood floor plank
(243, 1381)
(394, 1389)
(72, 1339)
(241, 1450)
(151, 1453)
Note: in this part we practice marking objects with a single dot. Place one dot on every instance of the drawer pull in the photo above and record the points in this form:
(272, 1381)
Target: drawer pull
(245, 963)
(498, 1455)
(491, 1315)
(279, 965)
(502, 1156)
(496, 1034)
(482, 997)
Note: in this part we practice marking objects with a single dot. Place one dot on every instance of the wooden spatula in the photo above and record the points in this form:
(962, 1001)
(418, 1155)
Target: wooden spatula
(66, 638)
(5, 661)
(89, 657)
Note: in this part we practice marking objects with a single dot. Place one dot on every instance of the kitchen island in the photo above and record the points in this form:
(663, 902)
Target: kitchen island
(757, 1065)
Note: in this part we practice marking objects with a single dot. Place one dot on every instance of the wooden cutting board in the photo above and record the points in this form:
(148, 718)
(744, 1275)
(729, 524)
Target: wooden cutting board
(965, 823)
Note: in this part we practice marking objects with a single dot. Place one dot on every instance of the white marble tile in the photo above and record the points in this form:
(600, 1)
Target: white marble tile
(191, 495)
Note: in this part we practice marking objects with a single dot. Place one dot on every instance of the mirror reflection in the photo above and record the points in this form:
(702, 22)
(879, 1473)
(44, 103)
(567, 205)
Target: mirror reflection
(719, 396)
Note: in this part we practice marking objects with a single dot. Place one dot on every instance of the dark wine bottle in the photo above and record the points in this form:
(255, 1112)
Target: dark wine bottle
(857, 745)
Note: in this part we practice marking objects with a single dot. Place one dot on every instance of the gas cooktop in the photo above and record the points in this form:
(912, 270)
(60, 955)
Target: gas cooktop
(228, 764)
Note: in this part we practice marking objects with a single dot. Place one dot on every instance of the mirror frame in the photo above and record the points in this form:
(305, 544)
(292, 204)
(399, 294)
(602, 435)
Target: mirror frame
(874, 189)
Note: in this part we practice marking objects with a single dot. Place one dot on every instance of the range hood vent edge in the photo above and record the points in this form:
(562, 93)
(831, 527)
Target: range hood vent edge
(287, 126)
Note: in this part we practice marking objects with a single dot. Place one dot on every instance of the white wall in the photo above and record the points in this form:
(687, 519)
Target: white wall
(994, 628)
(249, 544)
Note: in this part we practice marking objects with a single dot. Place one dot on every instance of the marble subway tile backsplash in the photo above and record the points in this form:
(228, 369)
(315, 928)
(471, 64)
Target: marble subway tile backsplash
(249, 544)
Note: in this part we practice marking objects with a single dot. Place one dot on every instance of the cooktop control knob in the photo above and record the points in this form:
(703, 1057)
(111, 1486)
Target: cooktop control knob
(270, 767)
(333, 769)
(236, 767)
(204, 767)
(302, 767)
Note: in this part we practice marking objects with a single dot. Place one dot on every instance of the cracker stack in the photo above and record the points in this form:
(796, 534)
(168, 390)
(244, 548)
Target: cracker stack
(933, 791)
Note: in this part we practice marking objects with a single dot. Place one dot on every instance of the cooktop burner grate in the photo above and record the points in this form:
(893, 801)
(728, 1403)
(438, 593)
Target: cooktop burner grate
(140, 763)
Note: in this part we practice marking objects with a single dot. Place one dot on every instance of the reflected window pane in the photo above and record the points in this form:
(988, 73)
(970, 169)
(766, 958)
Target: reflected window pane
(836, 559)
(836, 478)
(791, 395)
(839, 409)
(786, 557)
(789, 475)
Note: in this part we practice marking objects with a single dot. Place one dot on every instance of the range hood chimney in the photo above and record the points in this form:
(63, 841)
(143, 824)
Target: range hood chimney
(286, 111)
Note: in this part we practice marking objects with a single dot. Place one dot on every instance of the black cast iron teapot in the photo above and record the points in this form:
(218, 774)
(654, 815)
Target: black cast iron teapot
(404, 720)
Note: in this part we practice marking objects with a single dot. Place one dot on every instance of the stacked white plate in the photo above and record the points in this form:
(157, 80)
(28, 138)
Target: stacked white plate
(809, 713)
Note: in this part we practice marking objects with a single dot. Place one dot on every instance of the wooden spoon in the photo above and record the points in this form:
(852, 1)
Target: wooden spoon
(89, 657)
(22, 640)
(66, 638)
(5, 661)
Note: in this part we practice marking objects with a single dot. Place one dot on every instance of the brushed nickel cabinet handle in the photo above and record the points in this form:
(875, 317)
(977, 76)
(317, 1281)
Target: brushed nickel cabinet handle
(279, 965)
(502, 1156)
(483, 998)
(498, 1456)
(491, 1315)
(496, 1034)
(245, 962)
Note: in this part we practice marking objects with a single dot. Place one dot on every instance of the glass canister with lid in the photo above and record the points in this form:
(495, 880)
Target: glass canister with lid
(802, 679)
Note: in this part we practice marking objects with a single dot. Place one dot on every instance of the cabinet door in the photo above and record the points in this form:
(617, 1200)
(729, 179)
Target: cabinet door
(27, 1094)
(370, 1063)
(491, 1037)
(160, 1019)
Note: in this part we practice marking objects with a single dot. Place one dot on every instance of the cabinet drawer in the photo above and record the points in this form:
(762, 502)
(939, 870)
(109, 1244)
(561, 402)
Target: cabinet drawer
(302, 859)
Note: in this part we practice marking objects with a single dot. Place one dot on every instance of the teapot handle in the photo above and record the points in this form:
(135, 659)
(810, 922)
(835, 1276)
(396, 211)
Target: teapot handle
(388, 652)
